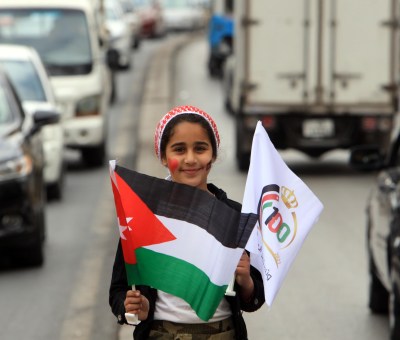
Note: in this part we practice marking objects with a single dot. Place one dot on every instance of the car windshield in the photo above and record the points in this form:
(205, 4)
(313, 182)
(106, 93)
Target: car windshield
(25, 79)
(176, 3)
(113, 12)
(60, 36)
(142, 3)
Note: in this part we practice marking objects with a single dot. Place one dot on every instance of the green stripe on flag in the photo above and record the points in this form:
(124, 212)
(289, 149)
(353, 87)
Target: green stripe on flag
(176, 277)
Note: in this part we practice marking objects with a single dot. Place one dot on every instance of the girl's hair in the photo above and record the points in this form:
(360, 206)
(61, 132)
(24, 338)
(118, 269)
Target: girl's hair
(190, 118)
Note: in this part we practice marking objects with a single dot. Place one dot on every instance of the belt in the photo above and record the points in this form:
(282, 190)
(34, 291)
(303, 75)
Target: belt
(193, 328)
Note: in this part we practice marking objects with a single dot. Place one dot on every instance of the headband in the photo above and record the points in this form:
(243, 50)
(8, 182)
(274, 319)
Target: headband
(176, 112)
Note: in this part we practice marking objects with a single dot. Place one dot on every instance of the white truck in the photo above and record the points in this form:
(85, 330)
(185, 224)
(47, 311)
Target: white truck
(319, 74)
(71, 40)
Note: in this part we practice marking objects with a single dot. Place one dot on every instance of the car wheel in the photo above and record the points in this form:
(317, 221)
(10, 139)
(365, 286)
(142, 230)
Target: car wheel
(114, 95)
(394, 312)
(136, 42)
(378, 295)
(94, 156)
(33, 255)
(55, 190)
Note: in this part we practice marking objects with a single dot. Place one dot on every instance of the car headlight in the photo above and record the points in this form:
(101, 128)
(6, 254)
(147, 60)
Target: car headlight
(17, 167)
(89, 106)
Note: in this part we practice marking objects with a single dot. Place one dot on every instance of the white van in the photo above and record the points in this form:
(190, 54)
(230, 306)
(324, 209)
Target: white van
(68, 37)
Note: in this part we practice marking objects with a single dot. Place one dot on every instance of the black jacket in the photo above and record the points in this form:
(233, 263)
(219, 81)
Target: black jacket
(119, 286)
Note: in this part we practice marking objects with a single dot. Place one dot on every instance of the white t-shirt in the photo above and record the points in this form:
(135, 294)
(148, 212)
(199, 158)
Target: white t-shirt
(174, 309)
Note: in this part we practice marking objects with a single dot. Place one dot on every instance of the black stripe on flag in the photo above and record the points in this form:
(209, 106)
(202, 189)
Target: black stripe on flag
(187, 203)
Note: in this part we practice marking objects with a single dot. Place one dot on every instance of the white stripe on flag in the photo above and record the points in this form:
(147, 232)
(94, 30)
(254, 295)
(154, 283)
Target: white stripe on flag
(196, 246)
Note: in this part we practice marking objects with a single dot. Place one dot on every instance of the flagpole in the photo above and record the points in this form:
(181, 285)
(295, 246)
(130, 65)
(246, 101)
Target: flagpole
(229, 290)
(132, 319)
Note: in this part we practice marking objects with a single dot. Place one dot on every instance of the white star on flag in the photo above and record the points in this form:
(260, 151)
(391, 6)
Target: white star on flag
(122, 228)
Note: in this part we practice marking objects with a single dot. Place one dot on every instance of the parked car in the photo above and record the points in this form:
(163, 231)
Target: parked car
(383, 239)
(151, 18)
(22, 188)
(120, 33)
(134, 20)
(71, 40)
(28, 75)
(183, 15)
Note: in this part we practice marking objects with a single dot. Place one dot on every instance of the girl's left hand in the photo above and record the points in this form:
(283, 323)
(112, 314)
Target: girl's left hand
(243, 277)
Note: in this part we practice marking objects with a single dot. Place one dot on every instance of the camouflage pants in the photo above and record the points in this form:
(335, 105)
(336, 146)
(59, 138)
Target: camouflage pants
(220, 330)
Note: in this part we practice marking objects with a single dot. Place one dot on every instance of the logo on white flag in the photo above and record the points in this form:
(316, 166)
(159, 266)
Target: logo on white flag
(277, 222)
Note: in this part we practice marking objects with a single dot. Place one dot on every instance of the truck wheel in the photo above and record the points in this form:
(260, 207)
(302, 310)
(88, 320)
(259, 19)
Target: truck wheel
(243, 162)
(94, 156)
(228, 106)
(242, 157)
(214, 68)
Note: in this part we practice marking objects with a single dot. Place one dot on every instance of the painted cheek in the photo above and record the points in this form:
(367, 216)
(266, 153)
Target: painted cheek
(173, 165)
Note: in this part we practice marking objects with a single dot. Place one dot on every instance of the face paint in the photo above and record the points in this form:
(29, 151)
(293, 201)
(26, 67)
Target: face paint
(172, 165)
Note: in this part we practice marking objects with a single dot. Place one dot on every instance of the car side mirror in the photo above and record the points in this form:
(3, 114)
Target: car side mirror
(44, 117)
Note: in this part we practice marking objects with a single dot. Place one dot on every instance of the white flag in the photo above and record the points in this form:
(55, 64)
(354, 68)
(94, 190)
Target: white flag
(287, 209)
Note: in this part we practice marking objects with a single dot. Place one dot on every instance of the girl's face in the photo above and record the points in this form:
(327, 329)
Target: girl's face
(189, 155)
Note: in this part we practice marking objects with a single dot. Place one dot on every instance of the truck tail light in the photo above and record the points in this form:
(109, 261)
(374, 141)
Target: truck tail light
(269, 122)
(371, 124)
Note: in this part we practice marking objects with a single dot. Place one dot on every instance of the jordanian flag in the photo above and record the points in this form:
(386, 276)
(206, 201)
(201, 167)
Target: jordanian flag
(177, 238)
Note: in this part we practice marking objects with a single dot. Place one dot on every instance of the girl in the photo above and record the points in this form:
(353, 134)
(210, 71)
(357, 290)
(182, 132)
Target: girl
(186, 142)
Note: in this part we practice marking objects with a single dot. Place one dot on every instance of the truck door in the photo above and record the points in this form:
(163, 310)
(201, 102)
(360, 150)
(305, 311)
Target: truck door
(277, 51)
(359, 65)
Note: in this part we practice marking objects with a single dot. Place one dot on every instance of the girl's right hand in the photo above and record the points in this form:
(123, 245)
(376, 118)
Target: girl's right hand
(136, 303)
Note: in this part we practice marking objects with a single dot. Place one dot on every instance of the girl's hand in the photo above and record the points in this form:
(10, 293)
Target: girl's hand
(136, 303)
(243, 277)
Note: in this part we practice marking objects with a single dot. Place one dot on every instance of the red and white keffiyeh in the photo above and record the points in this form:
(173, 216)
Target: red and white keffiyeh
(186, 109)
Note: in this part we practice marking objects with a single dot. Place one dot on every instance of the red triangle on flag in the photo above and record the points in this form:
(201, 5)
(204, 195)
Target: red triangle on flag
(125, 237)
(144, 227)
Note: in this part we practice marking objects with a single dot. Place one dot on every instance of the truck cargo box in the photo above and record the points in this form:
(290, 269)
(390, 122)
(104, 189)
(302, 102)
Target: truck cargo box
(320, 74)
